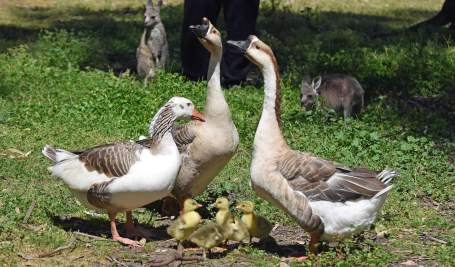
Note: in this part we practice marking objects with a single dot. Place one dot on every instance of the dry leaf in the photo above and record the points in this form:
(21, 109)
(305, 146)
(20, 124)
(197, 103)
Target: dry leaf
(382, 234)
(13, 153)
(409, 263)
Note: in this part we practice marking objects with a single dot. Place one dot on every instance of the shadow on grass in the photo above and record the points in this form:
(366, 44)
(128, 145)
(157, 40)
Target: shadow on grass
(282, 250)
(101, 227)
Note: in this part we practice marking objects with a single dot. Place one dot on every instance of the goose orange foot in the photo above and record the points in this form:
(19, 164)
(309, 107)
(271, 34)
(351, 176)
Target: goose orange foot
(116, 236)
(127, 241)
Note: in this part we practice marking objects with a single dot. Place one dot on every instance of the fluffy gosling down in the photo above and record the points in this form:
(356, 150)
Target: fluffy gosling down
(239, 232)
(207, 237)
(223, 217)
(185, 224)
(232, 228)
(257, 225)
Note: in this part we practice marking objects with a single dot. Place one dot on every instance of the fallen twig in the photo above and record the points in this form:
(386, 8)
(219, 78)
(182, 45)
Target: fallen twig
(70, 245)
(54, 252)
(163, 218)
(98, 238)
(275, 227)
(171, 260)
(29, 212)
(24, 256)
(436, 239)
(112, 259)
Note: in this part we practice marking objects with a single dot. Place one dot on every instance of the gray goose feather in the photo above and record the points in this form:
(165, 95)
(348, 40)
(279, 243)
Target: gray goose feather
(315, 178)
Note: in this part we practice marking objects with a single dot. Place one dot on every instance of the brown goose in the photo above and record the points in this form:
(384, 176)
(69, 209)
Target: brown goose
(328, 200)
(122, 176)
(206, 147)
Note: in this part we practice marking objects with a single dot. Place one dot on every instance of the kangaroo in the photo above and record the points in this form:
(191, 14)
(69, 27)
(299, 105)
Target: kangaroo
(153, 52)
(338, 91)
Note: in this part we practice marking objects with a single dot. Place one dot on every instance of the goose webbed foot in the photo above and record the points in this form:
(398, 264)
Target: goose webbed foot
(116, 236)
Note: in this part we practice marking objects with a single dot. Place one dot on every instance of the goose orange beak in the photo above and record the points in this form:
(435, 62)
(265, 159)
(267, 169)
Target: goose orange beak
(197, 116)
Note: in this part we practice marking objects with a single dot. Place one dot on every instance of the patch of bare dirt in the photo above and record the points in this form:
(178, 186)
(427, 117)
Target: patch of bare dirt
(446, 209)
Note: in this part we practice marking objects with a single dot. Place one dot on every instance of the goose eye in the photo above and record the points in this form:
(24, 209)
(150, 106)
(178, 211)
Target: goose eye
(188, 104)
(213, 31)
(257, 47)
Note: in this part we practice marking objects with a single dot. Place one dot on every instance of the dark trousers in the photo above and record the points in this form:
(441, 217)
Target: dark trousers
(240, 16)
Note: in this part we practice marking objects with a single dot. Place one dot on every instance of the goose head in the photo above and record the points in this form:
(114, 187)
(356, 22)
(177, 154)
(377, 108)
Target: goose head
(256, 51)
(183, 108)
(190, 205)
(246, 207)
(208, 35)
(176, 108)
(221, 203)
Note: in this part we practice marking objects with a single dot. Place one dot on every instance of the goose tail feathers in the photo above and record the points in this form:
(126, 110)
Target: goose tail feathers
(57, 155)
(386, 177)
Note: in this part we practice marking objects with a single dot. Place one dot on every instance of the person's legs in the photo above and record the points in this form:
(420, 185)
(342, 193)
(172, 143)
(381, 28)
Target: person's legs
(240, 16)
(195, 58)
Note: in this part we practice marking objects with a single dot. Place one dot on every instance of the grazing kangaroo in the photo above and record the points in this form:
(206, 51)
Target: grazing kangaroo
(338, 91)
(152, 53)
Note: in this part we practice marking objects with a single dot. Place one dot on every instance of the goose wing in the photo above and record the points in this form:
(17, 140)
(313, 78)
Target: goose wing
(183, 135)
(112, 160)
(320, 179)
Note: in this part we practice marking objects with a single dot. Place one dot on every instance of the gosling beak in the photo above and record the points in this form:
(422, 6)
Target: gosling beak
(201, 30)
(197, 116)
(199, 206)
(242, 46)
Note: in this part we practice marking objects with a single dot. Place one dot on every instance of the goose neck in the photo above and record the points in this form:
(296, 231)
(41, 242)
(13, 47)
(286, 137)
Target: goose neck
(215, 104)
(161, 124)
(268, 134)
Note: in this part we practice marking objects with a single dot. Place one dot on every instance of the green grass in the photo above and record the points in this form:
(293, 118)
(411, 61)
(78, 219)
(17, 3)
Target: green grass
(61, 87)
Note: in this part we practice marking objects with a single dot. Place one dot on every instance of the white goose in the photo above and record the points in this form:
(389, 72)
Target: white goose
(121, 176)
(206, 147)
(328, 200)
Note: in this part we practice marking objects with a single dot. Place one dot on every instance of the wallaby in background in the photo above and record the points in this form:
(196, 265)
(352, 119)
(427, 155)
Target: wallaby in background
(340, 92)
(152, 53)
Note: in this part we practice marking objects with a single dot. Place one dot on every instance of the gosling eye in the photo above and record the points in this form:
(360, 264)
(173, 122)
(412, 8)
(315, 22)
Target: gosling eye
(257, 47)
(213, 31)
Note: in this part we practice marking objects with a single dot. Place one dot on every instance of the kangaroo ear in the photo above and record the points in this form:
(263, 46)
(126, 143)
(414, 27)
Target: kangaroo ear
(316, 83)
(160, 3)
(149, 3)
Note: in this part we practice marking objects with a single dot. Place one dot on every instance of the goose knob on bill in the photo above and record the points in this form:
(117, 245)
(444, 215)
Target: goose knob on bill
(327, 199)
(122, 176)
